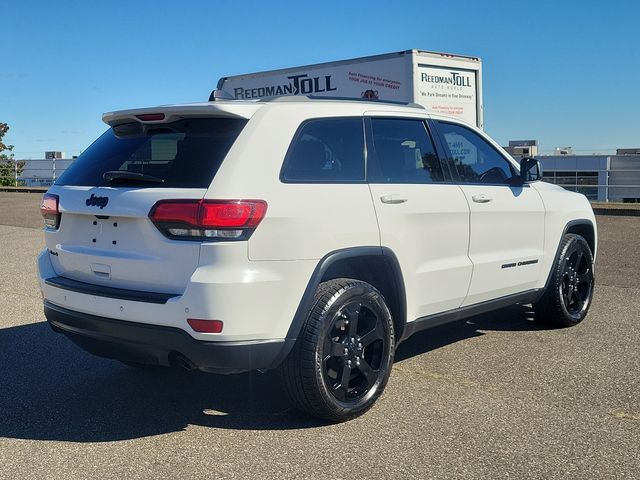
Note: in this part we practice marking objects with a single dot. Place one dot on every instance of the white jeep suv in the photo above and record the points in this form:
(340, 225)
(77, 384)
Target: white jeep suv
(309, 235)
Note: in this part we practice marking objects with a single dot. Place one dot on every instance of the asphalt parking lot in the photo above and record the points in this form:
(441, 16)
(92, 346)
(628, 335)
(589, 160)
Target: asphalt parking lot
(493, 397)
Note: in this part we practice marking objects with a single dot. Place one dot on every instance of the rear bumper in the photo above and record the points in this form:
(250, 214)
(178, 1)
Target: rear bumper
(161, 345)
(255, 300)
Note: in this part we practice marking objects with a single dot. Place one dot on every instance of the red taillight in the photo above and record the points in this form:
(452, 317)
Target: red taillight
(176, 212)
(241, 214)
(150, 117)
(205, 326)
(208, 219)
(50, 211)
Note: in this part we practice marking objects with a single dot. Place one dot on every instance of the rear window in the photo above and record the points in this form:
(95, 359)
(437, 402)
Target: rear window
(327, 150)
(182, 154)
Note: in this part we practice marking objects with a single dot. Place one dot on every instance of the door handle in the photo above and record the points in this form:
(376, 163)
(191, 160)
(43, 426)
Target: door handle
(392, 199)
(482, 198)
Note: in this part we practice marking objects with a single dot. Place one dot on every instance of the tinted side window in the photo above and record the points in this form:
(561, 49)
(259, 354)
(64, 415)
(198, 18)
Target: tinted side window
(326, 150)
(402, 152)
(473, 157)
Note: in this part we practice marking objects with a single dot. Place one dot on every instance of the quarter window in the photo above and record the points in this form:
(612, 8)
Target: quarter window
(475, 160)
(328, 150)
(402, 152)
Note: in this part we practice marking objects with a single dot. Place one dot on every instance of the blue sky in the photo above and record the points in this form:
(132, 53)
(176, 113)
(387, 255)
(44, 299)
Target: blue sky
(563, 72)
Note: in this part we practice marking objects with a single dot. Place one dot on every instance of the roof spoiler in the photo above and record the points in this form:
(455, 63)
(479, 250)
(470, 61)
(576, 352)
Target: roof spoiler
(170, 113)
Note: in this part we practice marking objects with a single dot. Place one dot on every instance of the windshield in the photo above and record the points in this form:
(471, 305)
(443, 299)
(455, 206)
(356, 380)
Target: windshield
(182, 154)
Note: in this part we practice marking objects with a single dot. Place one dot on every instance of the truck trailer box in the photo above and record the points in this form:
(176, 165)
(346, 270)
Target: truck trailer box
(443, 83)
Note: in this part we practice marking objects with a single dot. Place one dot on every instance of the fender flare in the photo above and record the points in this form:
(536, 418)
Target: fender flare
(572, 223)
(338, 255)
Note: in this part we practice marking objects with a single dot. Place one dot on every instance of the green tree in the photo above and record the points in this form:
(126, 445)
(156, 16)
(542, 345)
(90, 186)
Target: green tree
(9, 167)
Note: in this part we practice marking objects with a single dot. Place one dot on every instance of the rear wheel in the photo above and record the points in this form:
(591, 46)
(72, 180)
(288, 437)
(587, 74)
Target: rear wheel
(343, 357)
(567, 298)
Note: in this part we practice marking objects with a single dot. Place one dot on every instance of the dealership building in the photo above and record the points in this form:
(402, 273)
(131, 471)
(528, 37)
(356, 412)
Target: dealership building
(42, 172)
(604, 178)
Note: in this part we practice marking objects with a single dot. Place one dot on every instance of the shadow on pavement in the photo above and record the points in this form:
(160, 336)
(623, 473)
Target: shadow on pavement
(52, 390)
(518, 318)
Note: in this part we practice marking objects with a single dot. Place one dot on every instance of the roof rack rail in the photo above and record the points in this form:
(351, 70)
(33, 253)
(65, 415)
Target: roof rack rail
(370, 100)
(222, 95)
(218, 94)
(298, 98)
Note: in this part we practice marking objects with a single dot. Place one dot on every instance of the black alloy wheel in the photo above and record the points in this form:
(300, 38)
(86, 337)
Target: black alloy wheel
(353, 351)
(577, 280)
(344, 354)
(568, 294)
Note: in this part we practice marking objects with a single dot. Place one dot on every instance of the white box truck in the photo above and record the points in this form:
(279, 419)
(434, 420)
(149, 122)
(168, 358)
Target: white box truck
(443, 83)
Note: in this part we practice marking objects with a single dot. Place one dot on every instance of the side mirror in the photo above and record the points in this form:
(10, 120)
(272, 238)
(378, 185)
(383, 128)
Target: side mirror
(530, 170)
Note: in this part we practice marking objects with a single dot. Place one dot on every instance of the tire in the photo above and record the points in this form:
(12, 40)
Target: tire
(568, 295)
(344, 354)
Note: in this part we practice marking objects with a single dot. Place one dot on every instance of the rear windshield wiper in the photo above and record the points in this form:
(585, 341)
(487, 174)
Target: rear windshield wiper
(122, 176)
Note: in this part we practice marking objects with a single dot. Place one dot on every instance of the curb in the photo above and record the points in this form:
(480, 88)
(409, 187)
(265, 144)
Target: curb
(622, 212)
(24, 189)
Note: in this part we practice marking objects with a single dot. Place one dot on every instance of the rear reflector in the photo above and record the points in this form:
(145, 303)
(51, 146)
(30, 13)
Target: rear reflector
(50, 211)
(205, 326)
(150, 117)
(208, 219)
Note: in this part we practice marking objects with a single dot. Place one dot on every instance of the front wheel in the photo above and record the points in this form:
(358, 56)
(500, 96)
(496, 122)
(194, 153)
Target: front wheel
(343, 357)
(567, 298)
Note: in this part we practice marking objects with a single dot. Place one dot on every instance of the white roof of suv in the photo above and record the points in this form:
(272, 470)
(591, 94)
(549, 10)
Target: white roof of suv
(246, 108)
